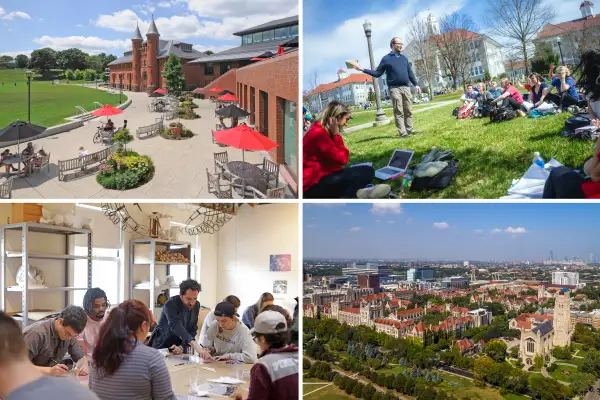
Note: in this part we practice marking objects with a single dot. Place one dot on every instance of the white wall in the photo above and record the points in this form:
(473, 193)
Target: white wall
(244, 249)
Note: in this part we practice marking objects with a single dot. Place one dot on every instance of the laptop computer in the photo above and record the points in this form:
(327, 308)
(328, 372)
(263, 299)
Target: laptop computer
(397, 166)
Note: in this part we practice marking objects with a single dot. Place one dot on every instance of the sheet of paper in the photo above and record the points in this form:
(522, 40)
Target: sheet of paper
(227, 380)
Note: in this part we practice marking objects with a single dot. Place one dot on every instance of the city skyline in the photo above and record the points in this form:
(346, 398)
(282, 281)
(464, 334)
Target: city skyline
(472, 231)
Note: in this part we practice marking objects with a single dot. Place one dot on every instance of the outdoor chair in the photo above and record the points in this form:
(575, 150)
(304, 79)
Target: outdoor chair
(220, 160)
(6, 189)
(216, 188)
(212, 135)
(271, 171)
(276, 193)
(40, 162)
(107, 137)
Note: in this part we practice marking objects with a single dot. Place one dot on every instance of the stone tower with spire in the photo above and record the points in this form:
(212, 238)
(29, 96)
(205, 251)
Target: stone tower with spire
(562, 319)
(433, 26)
(136, 59)
(587, 9)
(152, 67)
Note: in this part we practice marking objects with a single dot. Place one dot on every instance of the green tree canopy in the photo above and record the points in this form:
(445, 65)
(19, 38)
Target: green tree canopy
(496, 350)
(71, 59)
(173, 74)
(22, 61)
(43, 60)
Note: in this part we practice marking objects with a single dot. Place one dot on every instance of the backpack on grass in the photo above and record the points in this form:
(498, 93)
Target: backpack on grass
(455, 112)
(501, 114)
(577, 121)
(439, 181)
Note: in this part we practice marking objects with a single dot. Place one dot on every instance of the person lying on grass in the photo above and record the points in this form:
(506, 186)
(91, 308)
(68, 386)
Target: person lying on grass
(325, 156)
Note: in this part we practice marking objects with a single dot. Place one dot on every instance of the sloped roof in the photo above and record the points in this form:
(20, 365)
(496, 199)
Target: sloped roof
(137, 34)
(543, 328)
(165, 49)
(152, 29)
(409, 312)
(351, 310)
(278, 23)
(122, 60)
(244, 52)
(550, 30)
(352, 78)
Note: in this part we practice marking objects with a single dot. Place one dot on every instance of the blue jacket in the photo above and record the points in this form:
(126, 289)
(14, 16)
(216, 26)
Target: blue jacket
(177, 325)
(397, 70)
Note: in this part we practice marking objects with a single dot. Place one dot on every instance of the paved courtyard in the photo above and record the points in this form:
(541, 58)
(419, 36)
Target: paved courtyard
(180, 165)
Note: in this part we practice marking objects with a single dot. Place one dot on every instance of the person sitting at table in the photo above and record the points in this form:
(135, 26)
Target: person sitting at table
(20, 379)
(26, 155)
(272, 334)
(252, 311)
(221, 125)
(234, 122)
(95, 304)
(7, 167)
(124, 125)
(228, 339)
(210, 317)
(122, 366)
(109, 125)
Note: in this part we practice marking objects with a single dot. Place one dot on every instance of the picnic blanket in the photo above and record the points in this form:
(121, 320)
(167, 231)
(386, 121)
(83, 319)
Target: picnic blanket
(531, 185)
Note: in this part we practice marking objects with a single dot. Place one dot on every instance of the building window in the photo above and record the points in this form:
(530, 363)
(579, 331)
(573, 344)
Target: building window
(294, 30)
(290, 135)
(530, 346)
(105, 273)
(257, 37)
(144, 76)
(225, 67)
(209, 69)
(247, 39)
(268, 35)
(282, 33)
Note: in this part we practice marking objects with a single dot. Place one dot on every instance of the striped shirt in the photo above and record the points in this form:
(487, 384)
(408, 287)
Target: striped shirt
(142, 375)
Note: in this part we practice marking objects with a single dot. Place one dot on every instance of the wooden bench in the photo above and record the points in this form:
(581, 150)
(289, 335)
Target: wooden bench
(80, 163)
(149, 130)
(6, 189)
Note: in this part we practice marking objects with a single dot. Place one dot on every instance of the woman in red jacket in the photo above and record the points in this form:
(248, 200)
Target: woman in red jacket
(325, 156)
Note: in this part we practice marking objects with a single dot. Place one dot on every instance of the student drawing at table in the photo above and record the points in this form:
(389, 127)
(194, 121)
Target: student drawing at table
(228, 338)
(20, 379)
(95, 304)
(123, 367)
(210, 317)
(178, 324)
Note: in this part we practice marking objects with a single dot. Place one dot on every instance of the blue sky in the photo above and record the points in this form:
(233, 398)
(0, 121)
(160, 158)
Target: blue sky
(333, 29)
(107, 25)
(451, 231)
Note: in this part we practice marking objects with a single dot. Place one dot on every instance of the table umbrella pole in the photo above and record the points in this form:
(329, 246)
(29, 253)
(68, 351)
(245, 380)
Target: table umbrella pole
(19, 147)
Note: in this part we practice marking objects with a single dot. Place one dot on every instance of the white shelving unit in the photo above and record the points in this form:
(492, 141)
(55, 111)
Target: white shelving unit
(24, 254)
(142, 254)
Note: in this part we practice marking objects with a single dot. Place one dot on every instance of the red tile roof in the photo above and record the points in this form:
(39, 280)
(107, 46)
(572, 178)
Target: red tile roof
(391, 322)
(563, 28)
(352, 78)
(352, 310)
(464, 344)
(409, 312)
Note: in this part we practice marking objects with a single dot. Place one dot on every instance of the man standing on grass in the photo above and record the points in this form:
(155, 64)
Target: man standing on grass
(398, 74)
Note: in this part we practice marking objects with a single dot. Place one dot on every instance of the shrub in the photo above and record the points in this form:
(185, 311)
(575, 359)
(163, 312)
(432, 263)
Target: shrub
(125, 170)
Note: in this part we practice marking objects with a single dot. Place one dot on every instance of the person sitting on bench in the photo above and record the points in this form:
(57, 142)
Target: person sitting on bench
(109, 125)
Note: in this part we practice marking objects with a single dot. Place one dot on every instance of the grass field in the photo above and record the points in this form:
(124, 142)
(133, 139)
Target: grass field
(490, 155)
(331, 392)
(559, 375)
(50, 104)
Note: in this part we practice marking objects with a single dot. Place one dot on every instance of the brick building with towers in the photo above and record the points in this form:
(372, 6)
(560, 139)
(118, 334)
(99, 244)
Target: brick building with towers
(141, 69)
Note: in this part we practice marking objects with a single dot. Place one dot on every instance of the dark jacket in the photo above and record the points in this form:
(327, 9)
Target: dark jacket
(397, 70)
(177, 325)
(249, 315)
(275, 375)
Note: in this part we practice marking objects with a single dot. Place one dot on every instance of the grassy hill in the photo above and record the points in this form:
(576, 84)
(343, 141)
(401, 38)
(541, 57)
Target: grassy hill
(50, 104)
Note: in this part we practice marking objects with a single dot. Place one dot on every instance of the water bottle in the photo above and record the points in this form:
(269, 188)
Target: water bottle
(406, 182)
(537, 159)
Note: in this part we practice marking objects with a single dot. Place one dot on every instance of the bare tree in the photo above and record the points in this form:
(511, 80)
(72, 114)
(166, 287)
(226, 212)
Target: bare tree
(519, 20)
(424, 50)
(314, 80)
(453, 43)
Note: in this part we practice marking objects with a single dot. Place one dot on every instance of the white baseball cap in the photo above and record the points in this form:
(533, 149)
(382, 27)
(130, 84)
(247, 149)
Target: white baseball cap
(269, 322)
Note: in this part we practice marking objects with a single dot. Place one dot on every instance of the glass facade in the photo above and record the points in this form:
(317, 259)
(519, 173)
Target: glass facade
(290, 137)
(272, 34)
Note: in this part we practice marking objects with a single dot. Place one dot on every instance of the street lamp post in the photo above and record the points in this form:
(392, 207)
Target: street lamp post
(29, 74)
(120, 87)
(562, 60)
(380, 116)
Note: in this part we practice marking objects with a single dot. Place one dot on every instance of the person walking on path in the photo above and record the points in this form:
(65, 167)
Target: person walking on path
(399, 74)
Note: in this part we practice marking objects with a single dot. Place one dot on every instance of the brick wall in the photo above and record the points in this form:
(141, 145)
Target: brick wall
(227, 81)
(278, 78)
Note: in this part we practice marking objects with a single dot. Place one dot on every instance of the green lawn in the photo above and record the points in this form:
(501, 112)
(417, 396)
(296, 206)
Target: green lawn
(575, 361)
(50, 104)
(491, 155)
(331, 392)
(559, 375)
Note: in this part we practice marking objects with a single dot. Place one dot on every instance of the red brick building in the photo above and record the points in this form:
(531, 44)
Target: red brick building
(141, 69)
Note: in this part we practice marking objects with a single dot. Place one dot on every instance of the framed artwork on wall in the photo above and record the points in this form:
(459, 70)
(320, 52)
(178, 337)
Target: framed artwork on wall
(279, 287)
(280, 263)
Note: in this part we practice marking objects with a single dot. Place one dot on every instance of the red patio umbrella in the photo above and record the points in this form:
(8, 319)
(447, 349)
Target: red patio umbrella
(215, 89)
(161, 91)
(228, 97)
(258, 59)
(280, 50)
(245, 138)
(106, 111)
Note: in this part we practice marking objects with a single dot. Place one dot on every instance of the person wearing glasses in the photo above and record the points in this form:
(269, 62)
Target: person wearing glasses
(49, 340)
(178, 324)
(229, 338)
(95, 304)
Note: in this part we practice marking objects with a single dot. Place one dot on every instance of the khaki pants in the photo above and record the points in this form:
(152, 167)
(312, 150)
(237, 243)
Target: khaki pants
(402, 105)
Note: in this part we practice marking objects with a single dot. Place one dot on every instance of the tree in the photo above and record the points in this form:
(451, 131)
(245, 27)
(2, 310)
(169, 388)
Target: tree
(581, 381)
(71, 59)
(358, 389)
(371, 95)
(543, 57)
(209, 52)
(5, 61)
(486, 76)
(541, 387)
(538, 361)
(423, 50)
(21, 61)
(519, 20)
(453, 45)
(591, 363)
(368, 392)
(483, 366)
(173, 74)
(496, 350)
(43, 60)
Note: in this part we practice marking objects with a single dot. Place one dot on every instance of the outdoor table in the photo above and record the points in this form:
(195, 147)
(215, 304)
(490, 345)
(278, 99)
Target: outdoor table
(15, 159)
(250, 174)
(183, 373)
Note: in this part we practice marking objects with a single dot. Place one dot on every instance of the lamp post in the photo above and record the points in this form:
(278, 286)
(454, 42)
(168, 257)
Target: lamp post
(380, 116)
(562, 60)
(120, 87)
(29, 74)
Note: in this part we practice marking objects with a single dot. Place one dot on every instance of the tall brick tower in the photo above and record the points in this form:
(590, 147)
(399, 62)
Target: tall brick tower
(563, 329)
(136, 59)
(152, 57)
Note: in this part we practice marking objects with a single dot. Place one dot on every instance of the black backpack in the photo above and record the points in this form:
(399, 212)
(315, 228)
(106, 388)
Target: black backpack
(501, 114)
(439, 181)
(455, 112)
(577, 121)
(486, 109)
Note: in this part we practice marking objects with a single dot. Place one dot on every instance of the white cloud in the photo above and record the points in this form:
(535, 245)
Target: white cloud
(88, 44)
(510, 229)
(13, 15)
(347, 213)
(355, 229)
(164, 4)
(326, 56)
(441, 225)
(243, 8)
(79, 25)
(13, 54)
(478, 230)
(325, 205)
(386, 208)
